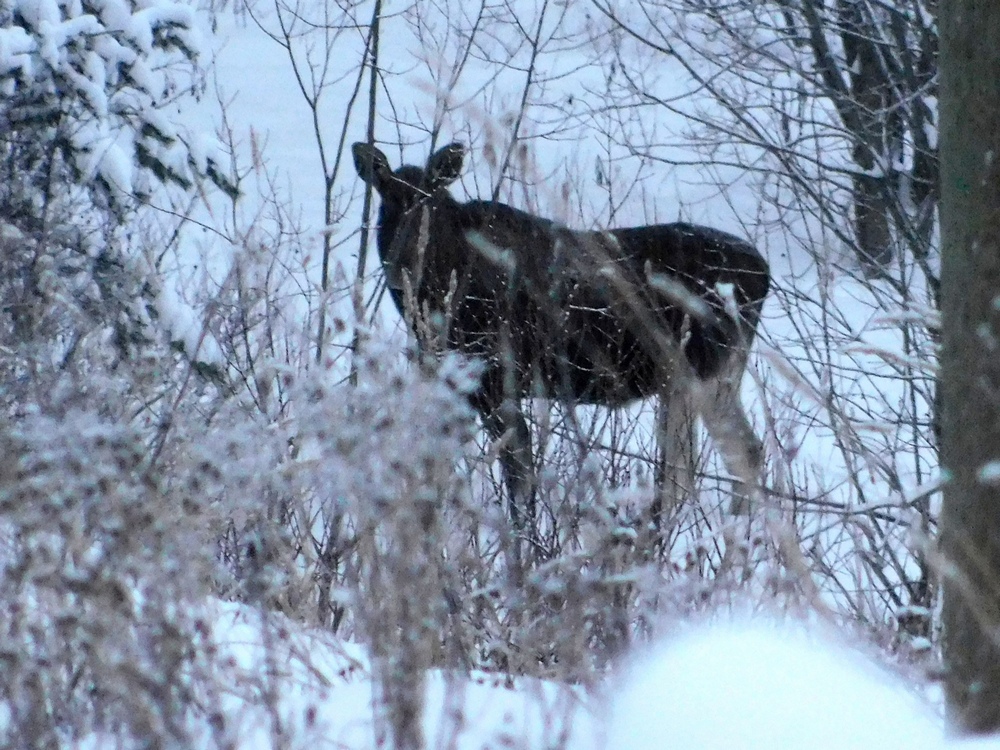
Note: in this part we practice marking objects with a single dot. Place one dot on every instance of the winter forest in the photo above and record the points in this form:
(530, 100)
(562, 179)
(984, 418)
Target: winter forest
(247, 499)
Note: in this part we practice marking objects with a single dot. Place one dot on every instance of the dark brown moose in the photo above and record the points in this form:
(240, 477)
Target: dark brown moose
(582, 317)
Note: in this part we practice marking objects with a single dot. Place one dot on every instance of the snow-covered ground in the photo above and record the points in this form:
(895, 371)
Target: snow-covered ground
(323, 695)
(738, 683)
(758, 684)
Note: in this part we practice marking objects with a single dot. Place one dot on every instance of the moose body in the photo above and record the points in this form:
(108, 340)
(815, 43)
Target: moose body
(584, 317)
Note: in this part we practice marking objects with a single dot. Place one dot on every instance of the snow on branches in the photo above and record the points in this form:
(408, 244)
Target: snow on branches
(93, 78)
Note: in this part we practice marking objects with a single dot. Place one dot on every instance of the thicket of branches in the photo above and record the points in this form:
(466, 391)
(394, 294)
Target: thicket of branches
(826, 111)
(211, 396)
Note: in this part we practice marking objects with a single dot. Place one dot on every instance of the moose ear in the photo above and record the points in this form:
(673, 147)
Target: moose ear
(445, 165)
(372, 164)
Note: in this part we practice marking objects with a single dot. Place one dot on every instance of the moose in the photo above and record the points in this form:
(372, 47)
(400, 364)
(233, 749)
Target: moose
(582, 317)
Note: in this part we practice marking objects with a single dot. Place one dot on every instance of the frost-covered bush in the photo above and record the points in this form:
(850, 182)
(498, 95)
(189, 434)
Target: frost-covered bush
(69, 315)
(397, 432)
(106, 538)
(336, 512)
(370, 462)
(99, 568)
(377, 461)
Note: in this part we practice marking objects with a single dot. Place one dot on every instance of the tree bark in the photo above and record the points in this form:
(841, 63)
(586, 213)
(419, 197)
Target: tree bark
(970, 364)
(878, 140)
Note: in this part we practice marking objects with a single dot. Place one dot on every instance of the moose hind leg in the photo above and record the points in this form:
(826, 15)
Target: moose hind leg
(711, 342)
(727, 423)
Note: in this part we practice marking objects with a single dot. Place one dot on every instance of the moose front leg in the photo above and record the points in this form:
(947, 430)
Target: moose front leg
(675, 464)
(517, 462)
(505, 424)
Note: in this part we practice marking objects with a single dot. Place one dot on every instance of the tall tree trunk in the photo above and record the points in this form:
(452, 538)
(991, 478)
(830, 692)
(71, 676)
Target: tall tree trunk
(970, 365)
(878, 137)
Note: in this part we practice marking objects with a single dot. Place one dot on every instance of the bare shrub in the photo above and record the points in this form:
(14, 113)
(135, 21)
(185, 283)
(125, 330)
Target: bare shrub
(98, 573)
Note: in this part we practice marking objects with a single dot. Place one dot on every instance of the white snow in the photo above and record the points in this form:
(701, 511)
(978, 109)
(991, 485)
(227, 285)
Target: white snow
(116, 168)
(205, 151)
(39, 12)
(16, 46)
(180, 16)
(767, 686)
(185, 327)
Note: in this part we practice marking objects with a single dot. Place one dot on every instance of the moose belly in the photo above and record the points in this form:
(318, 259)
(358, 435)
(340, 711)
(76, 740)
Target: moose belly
(595, 367)
(569, 355)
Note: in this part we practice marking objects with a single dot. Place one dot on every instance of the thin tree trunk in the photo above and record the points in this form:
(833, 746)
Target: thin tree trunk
(373, 42)
(970, 365)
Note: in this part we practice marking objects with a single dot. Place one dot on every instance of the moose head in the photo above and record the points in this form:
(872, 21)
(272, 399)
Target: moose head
(403, 192)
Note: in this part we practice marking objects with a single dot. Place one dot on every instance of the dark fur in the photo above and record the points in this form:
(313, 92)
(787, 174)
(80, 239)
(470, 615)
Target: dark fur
(558, 313)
